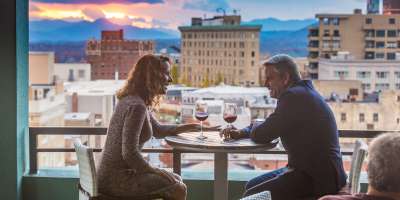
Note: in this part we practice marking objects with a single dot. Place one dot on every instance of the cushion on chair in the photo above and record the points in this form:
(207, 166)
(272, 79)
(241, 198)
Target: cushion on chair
(266, 195)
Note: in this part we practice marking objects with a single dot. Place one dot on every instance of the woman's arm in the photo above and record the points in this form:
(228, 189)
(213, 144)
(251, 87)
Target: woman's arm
(133, 123)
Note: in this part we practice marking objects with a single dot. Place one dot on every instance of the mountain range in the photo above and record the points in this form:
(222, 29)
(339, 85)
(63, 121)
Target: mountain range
(277, 36)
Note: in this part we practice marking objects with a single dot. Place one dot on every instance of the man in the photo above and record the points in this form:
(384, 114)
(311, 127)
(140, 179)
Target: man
(383, 170)
(308, 132)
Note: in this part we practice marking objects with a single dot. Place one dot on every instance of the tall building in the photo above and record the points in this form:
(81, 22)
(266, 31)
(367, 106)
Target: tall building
(391, 7)
(373, 6)
(375, 75)
(220, 49)
(370, 37)
(113, 57)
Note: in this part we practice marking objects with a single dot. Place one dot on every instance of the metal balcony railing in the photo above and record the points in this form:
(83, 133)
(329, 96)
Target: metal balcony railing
(34, 132)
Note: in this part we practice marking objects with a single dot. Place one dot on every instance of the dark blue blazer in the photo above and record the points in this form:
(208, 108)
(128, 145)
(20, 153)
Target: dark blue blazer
(307, 128)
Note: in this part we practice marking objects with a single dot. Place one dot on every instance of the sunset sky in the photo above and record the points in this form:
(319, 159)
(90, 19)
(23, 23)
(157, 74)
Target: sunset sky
(173, 13)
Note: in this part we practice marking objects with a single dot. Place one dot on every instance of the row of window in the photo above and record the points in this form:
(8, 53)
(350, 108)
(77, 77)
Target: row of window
(361, 117)
(220, 35)
(218, 53)
(372, 55)
(379, 86)
(213, 62)
(382, 33)
(390, 21)
(382, 44)
(331, 21)
(220, 44)
(367, 74)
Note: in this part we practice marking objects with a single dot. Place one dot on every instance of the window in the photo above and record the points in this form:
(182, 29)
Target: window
(325, 21)
(391, 56)
(343, 117)
(336, 21)
(253, 54)
(363, 74)
(380, 33)
(392, 21)
(397, 74)
(368, 21)
(81, 73)
(380, 45)
(369, 55)
(382, 74)
(376, 117)
(336, 44)
(336, 33)
(381, 86)
(380, 55)
(366, 86)
(398, 88)
(391, 45)
(392, 33)
(326, 33)
(341, 74)
(361, 117)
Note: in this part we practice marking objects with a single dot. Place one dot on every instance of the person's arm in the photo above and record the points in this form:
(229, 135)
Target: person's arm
(278, 123)
(161, 130)
(133, 123)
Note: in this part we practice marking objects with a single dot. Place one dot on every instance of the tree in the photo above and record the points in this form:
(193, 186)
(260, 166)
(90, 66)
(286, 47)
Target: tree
(175, 74)
(206, 81)
(219, 79)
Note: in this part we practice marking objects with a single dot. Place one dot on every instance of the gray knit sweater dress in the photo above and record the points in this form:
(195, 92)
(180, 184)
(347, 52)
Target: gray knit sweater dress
(122, 169)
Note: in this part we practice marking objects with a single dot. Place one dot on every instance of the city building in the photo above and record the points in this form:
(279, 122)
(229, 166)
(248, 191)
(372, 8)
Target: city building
(70, 72)
(391, 7)
(383, 114)
(94, 97)
(373, 6)
(339, 90)
(364, 36)
(113, 57)
(220, 49)
(375, 75)
(46, 94)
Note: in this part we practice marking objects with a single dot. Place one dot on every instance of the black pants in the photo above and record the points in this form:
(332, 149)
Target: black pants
(284, 184)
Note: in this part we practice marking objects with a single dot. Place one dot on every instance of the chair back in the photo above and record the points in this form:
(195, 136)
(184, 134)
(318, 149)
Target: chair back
(359, 154)
(87, 170)
(265, 195)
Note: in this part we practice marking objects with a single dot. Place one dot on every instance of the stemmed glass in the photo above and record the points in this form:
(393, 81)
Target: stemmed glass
(201, 115)
(230, 114)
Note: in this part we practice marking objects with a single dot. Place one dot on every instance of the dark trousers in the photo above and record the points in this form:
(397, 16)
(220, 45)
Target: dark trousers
(283, 183)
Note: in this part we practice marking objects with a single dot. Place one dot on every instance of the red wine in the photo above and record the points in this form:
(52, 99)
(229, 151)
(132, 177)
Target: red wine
(230, 118)
(201, 116)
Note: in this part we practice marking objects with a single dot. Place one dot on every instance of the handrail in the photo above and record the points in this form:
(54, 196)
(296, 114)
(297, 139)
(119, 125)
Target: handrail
(34, 132)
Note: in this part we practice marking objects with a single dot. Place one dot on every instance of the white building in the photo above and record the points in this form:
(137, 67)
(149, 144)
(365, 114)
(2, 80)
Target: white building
(95, 97)
(375, 75)
(70, 72)
(249, 102)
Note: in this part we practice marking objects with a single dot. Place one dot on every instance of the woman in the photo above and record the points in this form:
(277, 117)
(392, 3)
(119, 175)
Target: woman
(123, 172)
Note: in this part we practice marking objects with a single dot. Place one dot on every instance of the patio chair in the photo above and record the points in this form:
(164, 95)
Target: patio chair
(359, 153)
(87, 177)
(259, 196)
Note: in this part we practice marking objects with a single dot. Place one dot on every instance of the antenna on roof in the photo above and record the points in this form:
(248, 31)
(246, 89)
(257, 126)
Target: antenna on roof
(221, 9)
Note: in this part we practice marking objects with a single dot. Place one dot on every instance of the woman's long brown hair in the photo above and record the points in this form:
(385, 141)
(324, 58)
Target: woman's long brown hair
(144, 79)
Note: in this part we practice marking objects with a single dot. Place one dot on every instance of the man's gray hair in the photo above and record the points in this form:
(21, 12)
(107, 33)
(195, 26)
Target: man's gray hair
(384, 163)
(284, 63)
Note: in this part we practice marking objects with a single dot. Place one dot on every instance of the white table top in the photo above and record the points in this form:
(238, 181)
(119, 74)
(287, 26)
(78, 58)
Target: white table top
(213, 143)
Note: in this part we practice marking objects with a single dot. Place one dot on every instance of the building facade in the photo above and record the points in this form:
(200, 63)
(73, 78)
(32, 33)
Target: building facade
(375, 75)
(369, 37)
(70, 72)
(220, 49)
(113, 57)
(391, 7)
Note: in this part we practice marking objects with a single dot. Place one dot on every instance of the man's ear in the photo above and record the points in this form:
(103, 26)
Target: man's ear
(286, 78)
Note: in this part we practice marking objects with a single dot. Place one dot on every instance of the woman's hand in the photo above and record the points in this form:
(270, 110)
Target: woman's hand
(232, 133)
(196, 127)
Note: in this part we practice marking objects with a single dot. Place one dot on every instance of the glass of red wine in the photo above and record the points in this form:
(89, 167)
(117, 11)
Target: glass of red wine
(230, 114)
(201, 114)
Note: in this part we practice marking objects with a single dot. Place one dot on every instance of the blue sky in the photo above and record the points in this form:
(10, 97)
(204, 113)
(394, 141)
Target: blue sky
(173, 13)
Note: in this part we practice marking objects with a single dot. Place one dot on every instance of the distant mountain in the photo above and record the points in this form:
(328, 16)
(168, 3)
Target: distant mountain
(58, 30)
(273, 24)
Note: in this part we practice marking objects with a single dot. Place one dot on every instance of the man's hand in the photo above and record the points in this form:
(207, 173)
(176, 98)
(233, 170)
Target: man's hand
(232, 133)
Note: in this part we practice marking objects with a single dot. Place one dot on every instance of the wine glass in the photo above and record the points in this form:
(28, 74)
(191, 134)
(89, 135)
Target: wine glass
(230, 114)
(201, 115)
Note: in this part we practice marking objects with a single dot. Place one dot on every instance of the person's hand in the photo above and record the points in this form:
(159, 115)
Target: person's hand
(168, 175)
(196, 128)
(231, 133)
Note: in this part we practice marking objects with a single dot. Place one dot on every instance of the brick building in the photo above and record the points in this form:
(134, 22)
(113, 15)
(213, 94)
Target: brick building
(114, 55)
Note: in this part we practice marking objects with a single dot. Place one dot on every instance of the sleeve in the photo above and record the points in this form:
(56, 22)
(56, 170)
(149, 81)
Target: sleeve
(133, 122)
(161, 130)
(278, 122)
